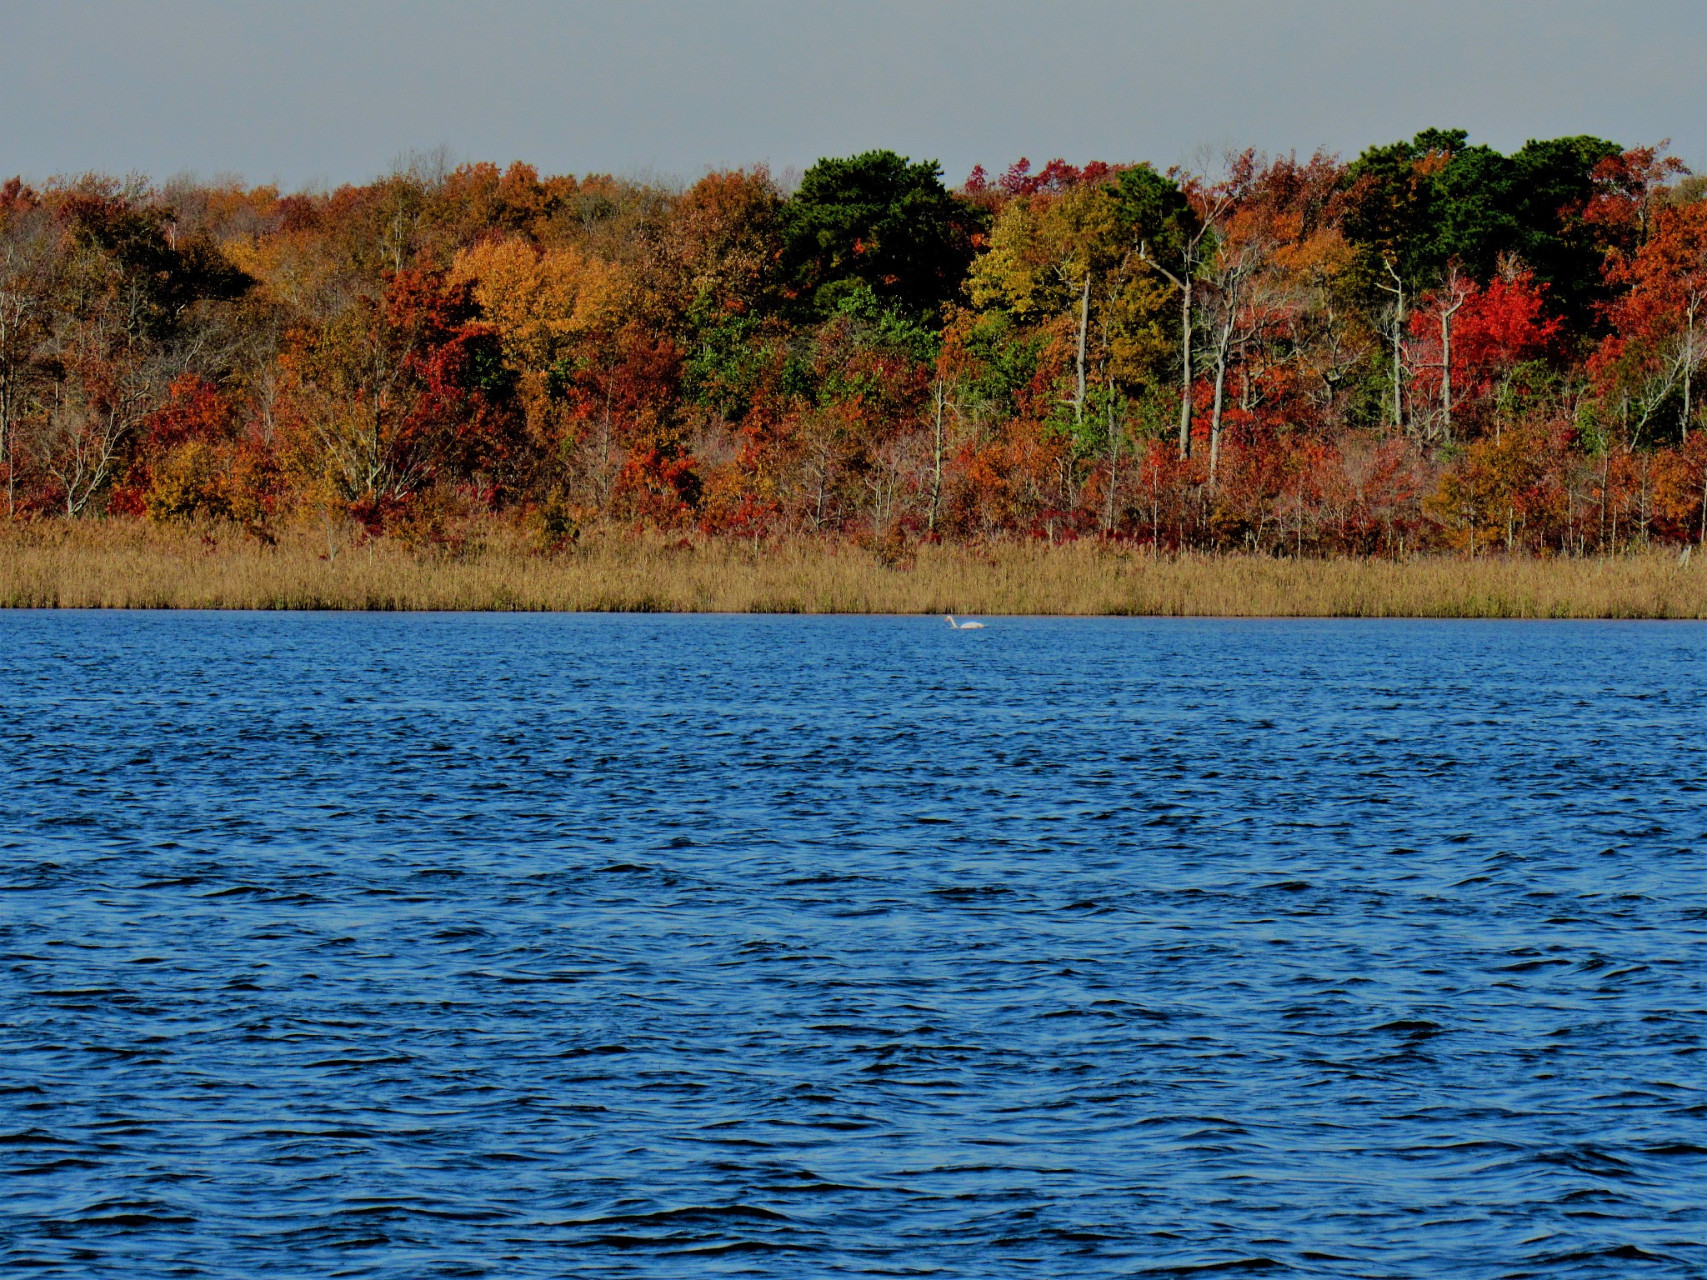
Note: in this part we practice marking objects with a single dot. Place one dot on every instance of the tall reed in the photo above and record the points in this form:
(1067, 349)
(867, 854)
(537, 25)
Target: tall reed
(124, 564)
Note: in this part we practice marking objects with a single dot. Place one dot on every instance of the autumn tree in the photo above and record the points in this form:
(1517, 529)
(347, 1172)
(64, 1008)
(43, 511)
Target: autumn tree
(403, 391)
(1439, 198)
(880, 358)
(1439, 206)
(722, 252)
(1173, 231)
(28, 264)
(1497, 333)
(129, 290)
(1657, 345)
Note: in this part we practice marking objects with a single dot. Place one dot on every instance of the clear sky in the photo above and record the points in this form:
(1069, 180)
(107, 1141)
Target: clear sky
(326, 91)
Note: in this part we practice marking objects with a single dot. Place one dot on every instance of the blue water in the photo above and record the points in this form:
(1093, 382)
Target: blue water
(415, 946)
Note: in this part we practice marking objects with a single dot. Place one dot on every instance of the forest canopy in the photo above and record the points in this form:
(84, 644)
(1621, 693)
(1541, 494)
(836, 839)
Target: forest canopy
(1433, 344)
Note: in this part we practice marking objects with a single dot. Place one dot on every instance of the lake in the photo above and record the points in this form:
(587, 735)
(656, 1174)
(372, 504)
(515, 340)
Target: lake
(657, 946)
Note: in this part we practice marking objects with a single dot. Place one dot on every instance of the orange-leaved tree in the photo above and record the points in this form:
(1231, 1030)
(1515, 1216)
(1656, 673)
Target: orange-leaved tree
(401, 392)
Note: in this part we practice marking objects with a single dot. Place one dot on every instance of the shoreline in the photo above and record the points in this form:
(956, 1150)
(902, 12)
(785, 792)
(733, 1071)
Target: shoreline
(130, 565)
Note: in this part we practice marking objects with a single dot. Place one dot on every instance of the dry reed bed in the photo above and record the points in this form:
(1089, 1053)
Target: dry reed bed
(130, 565)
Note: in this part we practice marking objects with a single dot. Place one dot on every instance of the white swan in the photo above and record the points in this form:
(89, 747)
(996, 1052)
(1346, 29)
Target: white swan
(963, 626)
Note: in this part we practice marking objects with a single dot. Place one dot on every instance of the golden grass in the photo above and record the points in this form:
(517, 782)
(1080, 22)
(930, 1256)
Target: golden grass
(133, 565)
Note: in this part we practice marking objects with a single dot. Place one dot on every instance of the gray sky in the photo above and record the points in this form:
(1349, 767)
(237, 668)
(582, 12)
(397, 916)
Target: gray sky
(326, 91)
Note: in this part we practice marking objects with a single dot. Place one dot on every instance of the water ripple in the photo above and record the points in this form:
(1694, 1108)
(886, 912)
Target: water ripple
(652, 947)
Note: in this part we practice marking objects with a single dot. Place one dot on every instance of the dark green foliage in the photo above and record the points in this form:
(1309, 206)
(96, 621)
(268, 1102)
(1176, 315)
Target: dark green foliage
(136, 242)
(1154, 209)
(1553, 186)
(1390, 208)
(1005, 362)
(864, 351)
(1437, 199)
(728, 358)
(487, 372)
(560, 378)
(880, 326)
(880, 221)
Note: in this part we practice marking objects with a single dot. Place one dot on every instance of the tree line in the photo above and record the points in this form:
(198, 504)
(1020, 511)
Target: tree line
(1434, 345)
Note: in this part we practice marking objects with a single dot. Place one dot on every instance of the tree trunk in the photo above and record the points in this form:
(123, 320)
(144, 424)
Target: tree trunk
(6, 412)
(1446, 374)
(1220, 392)
(1688, 368)
(1703, 538)
(1605, 479)
(6, 444)
(936, 469)
(1397, 289)
(1113, 460)
(1185, 370)
(1398, 374)
(1084, 331)
(1457, 296)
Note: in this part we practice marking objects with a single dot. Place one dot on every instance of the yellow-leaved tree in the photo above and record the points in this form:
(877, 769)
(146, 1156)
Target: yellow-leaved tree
(537, 299)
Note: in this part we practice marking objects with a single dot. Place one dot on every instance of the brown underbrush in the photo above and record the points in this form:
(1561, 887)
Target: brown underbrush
(138, 565)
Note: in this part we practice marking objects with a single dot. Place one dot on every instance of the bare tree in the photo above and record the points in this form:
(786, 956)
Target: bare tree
(26, 271)
(1455, 291)
(1694, 287)
(1233, 319)
(1190, 261)
(87, 431)
(1396, 319)
(113, 370)
(1191, 247)
(1115, 425)
(1084, 333)
(939, 395)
